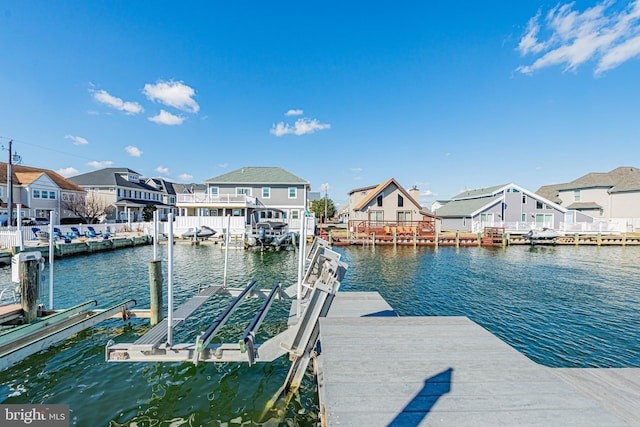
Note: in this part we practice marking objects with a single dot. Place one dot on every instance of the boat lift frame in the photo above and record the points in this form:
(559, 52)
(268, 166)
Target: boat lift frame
(320, 284)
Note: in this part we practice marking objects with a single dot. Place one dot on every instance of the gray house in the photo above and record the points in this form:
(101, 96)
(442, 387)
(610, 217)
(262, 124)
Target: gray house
(124, 189)
(516, 209)
(237, 192)
(612, 197)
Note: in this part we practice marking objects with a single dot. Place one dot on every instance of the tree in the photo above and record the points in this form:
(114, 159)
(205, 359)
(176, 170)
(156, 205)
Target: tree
(90, 207)
(147, 212)
(318, 208)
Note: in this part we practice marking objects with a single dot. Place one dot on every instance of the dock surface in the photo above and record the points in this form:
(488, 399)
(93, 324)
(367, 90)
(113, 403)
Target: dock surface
(375, 369)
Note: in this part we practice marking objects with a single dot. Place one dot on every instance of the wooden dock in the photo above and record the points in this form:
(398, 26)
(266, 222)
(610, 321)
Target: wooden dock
(375, 369)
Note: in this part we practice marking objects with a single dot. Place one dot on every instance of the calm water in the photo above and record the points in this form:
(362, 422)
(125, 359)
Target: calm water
(561, 306)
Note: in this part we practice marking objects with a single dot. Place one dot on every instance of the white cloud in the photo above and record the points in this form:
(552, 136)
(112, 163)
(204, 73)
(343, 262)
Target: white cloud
(297, 112)
(99, 165)
(357, 178)
(600, 34)
(223, 165)
(67, 172)
(133, 151)
(104, 97)
(427, 193)
(166, 118)
(172, 94)
(77, 140)
(185, 177)
(356, 169)
(300, 127)
(162, 170)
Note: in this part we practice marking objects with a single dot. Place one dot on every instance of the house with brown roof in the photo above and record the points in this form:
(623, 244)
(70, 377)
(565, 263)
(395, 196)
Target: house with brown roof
(612, 197)
(386, 203)
(38, 191)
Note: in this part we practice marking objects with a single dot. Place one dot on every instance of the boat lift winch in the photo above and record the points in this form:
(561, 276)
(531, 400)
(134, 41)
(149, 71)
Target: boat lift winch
(313, 294)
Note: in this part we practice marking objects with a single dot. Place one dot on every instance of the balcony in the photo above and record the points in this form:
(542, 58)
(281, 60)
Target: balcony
(222, 200)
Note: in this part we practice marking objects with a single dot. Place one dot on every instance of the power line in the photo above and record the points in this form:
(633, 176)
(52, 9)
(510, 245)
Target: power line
(46, 148)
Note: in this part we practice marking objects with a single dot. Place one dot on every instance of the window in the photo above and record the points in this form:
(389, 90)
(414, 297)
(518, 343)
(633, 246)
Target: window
(295, 214)
(1, 192)
(539, 204)
(379, 200)
(36, 194)
(293, 193)
(524, 217)
(266, 192)
(44, 194)
(404, 217)
(524, 199)
(243, 190)
(400, 201)
(576, 195)
(544, 220)
(52, 195)
(486, 220)
(214, 191)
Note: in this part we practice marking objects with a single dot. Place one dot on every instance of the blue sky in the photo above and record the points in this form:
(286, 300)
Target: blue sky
(447, 96)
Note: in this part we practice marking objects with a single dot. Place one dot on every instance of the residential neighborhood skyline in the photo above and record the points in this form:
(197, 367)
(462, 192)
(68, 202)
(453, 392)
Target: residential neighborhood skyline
(434, 96)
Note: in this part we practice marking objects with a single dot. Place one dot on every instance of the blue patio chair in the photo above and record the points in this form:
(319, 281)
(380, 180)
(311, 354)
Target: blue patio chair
(35, 233)
(76, 232)
(58, 234)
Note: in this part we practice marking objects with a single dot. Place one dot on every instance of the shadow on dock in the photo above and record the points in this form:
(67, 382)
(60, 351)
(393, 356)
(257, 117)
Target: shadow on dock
(419, 407)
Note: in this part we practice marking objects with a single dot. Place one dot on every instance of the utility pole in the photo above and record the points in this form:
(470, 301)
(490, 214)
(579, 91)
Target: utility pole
(17, 158)
(10, 188)
(326, 190)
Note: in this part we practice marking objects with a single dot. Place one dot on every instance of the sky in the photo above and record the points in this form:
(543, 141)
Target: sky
(445, 96)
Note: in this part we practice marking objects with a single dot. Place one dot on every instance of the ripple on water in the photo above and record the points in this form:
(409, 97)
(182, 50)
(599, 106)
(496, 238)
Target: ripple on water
(560, 306)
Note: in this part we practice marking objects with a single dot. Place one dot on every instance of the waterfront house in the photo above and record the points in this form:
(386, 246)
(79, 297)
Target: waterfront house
(125, 190)
(612, 197)
(237, 192)
(38, 191)
(387, 203)
(515, 208)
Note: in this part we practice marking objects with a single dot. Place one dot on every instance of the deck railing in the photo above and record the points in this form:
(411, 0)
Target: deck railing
(390, 227)
(220, 200)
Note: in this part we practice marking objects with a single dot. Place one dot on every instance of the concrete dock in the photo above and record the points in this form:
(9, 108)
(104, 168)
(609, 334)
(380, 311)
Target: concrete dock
(377, 369)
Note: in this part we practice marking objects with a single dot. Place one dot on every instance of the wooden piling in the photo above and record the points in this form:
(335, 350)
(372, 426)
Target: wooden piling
(373, 238)
(29, 271)
(395, 238)
(155, 286)
(457, 238)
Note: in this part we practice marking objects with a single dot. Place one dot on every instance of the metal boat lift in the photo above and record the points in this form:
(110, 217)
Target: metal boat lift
(318, 287)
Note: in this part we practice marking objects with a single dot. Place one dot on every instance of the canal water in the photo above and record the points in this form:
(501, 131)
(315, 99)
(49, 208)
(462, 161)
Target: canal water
(560, 306)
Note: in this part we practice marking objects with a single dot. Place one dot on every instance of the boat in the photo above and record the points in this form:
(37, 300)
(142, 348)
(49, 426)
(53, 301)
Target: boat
(544, 234)
(203, 232)
(267, 228)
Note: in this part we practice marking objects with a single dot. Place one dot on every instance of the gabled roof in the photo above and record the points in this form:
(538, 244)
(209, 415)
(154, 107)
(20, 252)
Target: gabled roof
(380, 188)
(102, 177)
(480, 192)
(111, 177)
(25, 175)
(621, 179)
(258, 175)
(467, 207)
(371, 187)
(472, 202)
(550, 192)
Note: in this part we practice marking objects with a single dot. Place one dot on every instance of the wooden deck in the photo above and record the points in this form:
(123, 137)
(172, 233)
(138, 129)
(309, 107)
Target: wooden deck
(380, 370)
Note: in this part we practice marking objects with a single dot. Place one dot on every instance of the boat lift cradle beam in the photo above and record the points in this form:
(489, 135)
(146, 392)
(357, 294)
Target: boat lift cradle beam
(299, 340)
(17, 350)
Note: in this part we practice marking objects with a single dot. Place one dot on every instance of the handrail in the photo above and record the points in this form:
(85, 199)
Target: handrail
(205, 338)
(247, 342)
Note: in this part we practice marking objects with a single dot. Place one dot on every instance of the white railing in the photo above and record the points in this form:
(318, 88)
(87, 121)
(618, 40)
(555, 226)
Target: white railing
(590, 227)
(223, 199)
(218, 223)
(10, 237)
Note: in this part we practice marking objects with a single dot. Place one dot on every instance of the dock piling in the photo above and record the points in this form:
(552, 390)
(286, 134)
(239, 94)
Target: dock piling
(155, 285)
(30, 275)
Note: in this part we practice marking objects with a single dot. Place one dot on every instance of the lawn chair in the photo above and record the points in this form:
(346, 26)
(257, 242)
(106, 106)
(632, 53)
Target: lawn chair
(35, 233)
(58, 234)
(76, 232)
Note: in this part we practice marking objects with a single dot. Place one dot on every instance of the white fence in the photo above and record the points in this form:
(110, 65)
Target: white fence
(11, 237)
(614, 226)
(223, 199)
